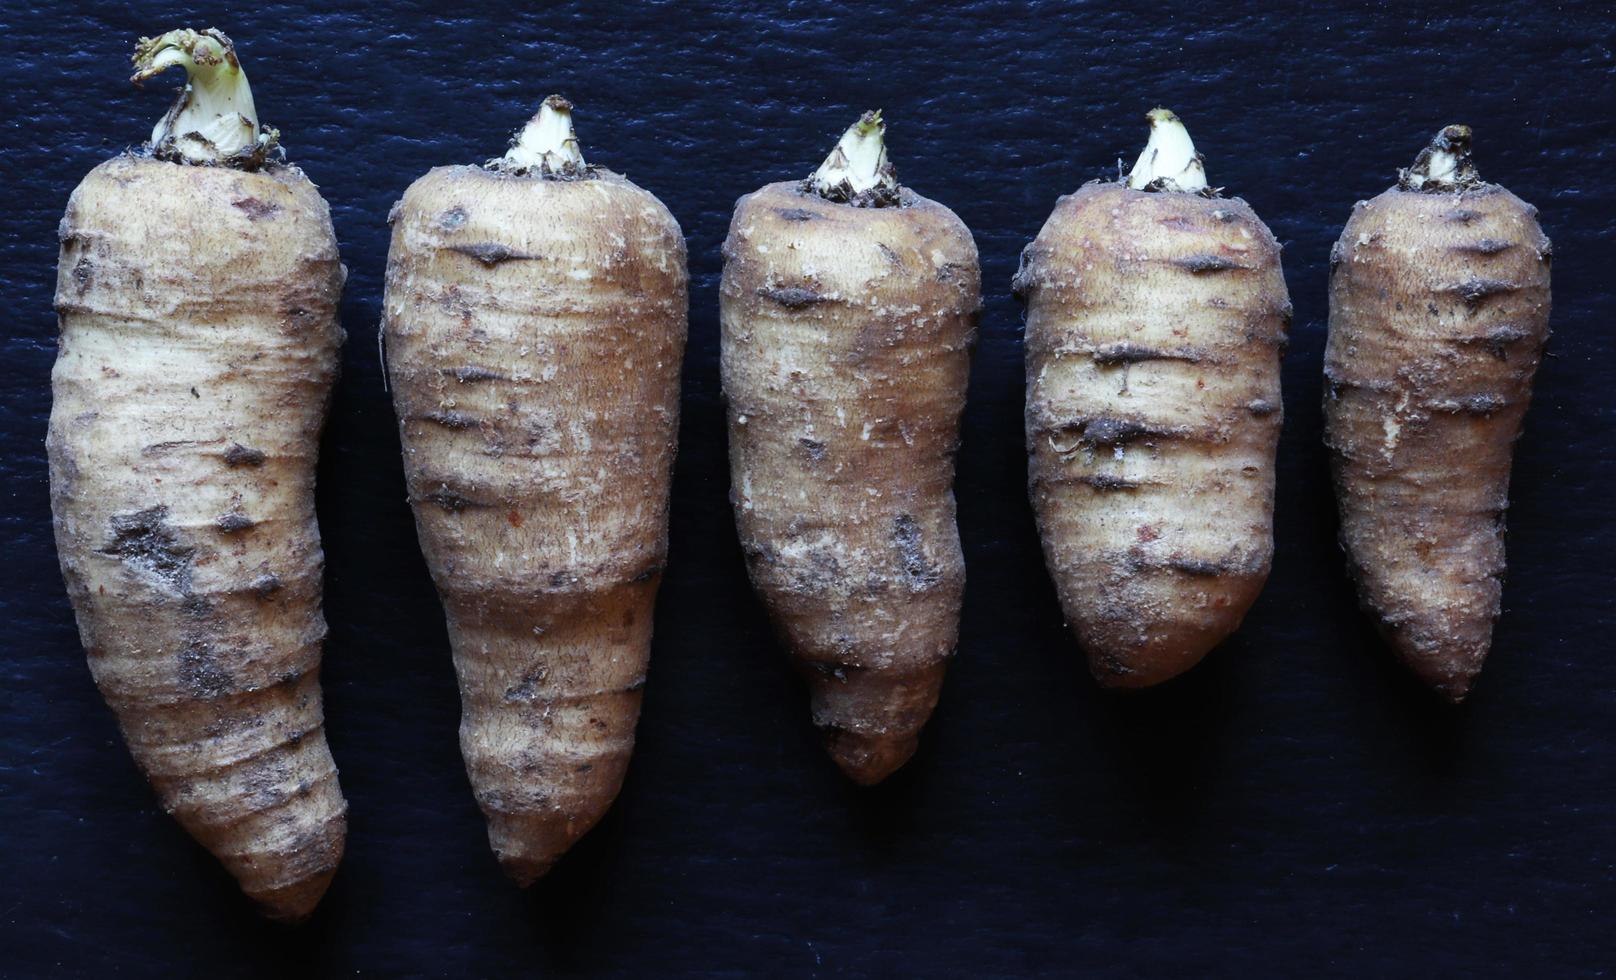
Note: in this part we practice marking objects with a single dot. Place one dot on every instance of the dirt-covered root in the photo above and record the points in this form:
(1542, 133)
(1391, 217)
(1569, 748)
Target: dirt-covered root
(550, 690)
(1155, 326)
(249, 775)
(1153, 626)
(1439, 312)
(846, 335)
(199, 343)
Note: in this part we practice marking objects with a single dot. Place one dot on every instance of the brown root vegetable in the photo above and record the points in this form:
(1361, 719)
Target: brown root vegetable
(535, 317)
(1156, 314)
(848, 307)
(197, 296)
(1439, 310)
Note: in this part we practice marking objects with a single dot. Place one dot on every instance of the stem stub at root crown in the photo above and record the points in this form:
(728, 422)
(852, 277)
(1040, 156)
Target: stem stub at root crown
(1444, 165)
(547, 146)
(213, 121)
(1169, 161)
(857, 171)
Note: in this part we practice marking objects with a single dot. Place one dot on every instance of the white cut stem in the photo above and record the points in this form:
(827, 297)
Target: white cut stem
(547, 144)
(859, 159)
(1169, 157)
(214, 118)
(1444, 165)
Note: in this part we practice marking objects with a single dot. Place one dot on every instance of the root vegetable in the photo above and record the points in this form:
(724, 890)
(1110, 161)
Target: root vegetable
(1439, 310)
(197, 295)
(848, 307)
(535, 317)
(1156, 313)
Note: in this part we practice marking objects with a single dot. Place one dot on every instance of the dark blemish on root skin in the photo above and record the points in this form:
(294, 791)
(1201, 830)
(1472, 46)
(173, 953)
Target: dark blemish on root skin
(528, 688)
(163, 448)
(1108, 482)
(1487, 246)
(239, 455)
(256, 210)
(145, 540)
(791, 297)
(451, 420)
(648, 573)
(452, 219)
(1482, 404)
(906, 535)
(1498, 340)
(265, 586)
(796, 214)
(1110, 431)
(233, 522)
(491, 253)
(471, 375)
(1131, 353)
(1198, 566)
(450, 501)
(1462, 215)
(813, 448)
(1202, 264)
(196, 606)
(201, 673)
(1476, 289)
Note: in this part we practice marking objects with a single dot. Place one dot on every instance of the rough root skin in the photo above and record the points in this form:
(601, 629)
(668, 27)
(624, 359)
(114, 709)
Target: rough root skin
(1155, 324)
(199, 344)
(1439, 311)
(845, 355)
(535, 331)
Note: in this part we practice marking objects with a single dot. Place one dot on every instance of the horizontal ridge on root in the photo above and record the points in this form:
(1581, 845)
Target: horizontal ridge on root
(241, 813)
(1127, 352)
(1110, 430)
(512, 697)
(259, 752)
(1193, 566)
(300, 671)
(541, 585)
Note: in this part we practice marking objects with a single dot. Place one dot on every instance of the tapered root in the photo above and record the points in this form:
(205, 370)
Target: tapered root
(1449, 666)
(528, 846)
(295, 902)
(870, 722)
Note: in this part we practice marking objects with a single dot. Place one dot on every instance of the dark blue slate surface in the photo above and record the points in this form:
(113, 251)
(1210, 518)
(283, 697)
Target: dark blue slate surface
(1296, 804)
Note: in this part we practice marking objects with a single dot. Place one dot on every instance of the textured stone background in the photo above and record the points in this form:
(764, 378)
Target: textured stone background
(1295, 805)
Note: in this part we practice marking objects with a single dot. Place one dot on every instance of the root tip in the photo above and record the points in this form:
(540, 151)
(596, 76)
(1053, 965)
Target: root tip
(869, 759)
